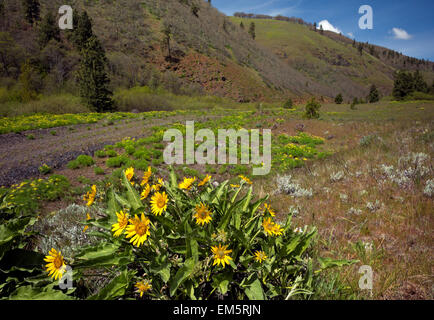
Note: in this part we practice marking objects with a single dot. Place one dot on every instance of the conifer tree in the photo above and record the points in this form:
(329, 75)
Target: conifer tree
(252, 30)
(48, 30)
(31, 10)
(242, 25)
(93, 79)
(403, 85)
(339, 99)
(374, 95)
(82, 31)
(419, 83)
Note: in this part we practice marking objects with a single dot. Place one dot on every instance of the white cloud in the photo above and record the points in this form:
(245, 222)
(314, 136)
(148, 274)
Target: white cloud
(401, 34)
(328, 26)
(351, 34)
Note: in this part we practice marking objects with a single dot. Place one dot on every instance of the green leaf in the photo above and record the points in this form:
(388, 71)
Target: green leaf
(13, 228)
(103, 255)
(132, 195)
(31, 293)
(116, 288)
(247, 199)
(190, 243)
(219, 192)
(161, 266)
(183, 273)
(112, 206)
(253, 288)
(221, 281)
(173, 182)
(326, 263)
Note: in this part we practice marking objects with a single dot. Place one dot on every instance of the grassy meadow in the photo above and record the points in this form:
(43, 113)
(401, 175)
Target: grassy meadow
(351, 188)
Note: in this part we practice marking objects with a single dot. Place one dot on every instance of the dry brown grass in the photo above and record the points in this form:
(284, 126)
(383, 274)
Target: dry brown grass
(401, 230)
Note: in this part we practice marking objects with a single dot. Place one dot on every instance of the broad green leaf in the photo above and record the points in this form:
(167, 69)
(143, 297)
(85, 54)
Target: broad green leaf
(221, 281)
(183, 274)
(132, 195)
(31, 293)
(13, 228)
(161, 266)
(190, 243)
(219, 192)
(253, 288)
(326, 263)
(173, 182)
(247, 199)
(116, 288)
(103, 255)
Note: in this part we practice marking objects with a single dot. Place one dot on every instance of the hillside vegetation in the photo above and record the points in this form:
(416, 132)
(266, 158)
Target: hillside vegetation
(190, 48)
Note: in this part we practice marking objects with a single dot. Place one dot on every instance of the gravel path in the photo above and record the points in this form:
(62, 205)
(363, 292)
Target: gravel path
(21, 157)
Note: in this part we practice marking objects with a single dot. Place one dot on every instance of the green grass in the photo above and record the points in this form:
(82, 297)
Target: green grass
(81, 162)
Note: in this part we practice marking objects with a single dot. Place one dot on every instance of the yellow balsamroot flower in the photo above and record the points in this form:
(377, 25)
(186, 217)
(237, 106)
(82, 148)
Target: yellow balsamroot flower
(187, 183)
(221, 255)
(235, 186)
(138, 230)
(159, 203)
(56, 265)
(129, 173)
(277, 230)
(247, 180)
(119, 227)
(269, 209)
(146, 177)
(268, 226)
(90, 196)
(143, 286)
(87, 218)
(145, 192)
(204, 181)
(202, 215)
(260, 256)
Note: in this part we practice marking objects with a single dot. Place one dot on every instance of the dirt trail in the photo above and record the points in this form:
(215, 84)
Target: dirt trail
(21, 157)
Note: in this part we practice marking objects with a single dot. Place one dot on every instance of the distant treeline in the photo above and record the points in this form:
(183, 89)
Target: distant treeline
(264, 16)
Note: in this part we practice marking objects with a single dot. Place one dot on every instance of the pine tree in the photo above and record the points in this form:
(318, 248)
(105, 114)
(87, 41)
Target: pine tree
(312, 109)
(339, 99)
(252, 30)
(321, 29)
(403, 85)
(32, 10)
(419, 83)
(314, 26)
(242, 25)
(374, 95)
(48, 30)
(82, 31)
(167, 31)
(93, 79)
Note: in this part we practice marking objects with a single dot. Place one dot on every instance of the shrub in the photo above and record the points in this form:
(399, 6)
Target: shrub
(111, 153)
(117, 161)
(81, 162)
(288, 104)
(312, 109)
(221, 244)
(339, 99)
(98, 171)
(100, 154)
(44, 169)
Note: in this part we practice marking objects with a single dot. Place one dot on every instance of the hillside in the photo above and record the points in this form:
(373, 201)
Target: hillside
(331, 59)
(208, 53)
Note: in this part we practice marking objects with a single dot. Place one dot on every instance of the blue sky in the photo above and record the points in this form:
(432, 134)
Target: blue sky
(406, 26)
